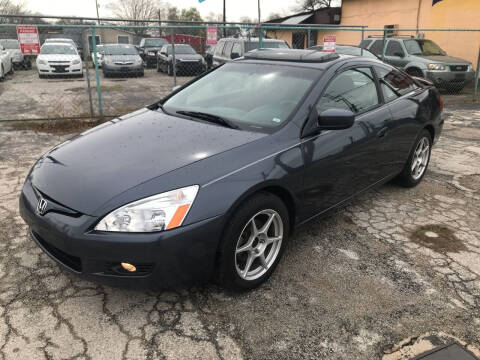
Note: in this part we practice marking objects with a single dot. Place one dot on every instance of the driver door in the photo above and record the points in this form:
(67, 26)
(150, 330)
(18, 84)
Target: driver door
(341, 163)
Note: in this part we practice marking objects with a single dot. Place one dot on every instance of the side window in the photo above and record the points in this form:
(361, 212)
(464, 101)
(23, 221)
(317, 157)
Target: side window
(228, 49)
(394, 49)
(237, 48)
(394, 83)
(219, 48)
(353, 90)
(377, 47)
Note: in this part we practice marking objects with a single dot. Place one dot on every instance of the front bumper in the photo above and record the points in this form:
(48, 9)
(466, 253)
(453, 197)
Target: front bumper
(50, 70)
(180, 256)
(123, 69)
(447, 78)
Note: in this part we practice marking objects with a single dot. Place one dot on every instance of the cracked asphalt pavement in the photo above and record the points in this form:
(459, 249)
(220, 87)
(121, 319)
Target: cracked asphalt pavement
(377, 279)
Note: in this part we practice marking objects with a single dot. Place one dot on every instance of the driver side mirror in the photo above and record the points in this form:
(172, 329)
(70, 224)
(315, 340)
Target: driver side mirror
(336, 119)
(234, 56)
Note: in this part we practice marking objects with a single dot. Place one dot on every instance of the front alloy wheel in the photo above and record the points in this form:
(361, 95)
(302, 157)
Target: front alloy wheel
(253, 242)
(259, 244)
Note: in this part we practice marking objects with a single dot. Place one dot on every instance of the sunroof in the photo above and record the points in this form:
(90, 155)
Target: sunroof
(307, 56)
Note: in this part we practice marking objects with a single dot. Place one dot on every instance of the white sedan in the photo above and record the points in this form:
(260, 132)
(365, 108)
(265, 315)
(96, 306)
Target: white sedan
(6, 64)
(58, 59)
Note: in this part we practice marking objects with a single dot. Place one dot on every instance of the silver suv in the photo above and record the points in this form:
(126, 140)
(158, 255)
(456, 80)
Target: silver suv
(423, 58)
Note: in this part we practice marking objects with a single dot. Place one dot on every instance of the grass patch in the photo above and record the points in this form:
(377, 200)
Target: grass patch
(59, 127)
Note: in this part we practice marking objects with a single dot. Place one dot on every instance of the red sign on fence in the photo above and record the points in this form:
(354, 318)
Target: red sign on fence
(329, 43)
(28, 38)
(211, 36)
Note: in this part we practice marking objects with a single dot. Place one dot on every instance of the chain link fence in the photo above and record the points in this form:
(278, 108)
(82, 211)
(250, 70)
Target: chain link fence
(126, 67)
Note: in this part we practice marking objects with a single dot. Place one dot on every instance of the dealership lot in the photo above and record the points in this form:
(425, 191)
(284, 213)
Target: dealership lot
(25, 96)
(395, 265)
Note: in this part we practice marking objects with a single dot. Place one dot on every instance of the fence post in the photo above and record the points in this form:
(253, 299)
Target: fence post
(260, 36)
(363, 38)
(384, 43)
(97, 75)
(87, 67)
(475, 93)
(174, 61)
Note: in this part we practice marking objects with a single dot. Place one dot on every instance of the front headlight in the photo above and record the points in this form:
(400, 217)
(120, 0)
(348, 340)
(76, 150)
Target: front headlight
(470, 67)
(156, 213)
(150, 53)
(436, 67)
(75, 62)
(108, 61)
(42, 62)
(138, 61)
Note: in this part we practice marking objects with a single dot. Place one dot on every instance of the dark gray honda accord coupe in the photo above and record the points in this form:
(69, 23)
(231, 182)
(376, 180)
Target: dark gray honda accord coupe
(208, 183)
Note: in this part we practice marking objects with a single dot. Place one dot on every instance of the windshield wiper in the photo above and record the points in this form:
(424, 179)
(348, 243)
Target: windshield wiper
(209, 117)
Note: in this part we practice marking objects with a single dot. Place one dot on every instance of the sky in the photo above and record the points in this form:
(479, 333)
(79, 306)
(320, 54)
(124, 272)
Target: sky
(235, 8)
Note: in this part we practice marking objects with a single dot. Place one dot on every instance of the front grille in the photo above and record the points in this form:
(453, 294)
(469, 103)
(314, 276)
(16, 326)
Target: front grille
(115, 269)
(124, 63)
(70, 261)
(458, 67)
(59, 68)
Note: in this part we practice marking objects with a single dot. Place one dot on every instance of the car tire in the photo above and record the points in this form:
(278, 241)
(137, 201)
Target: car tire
(170, 69)
(2, 73)
(243, 249)
(158, 66)
(141, 74)
(12, 70)
(418, 160)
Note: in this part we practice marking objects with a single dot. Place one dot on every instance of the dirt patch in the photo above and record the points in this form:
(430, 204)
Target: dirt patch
(471, 182)
(105, 88)
(438, 238)
(59, 127)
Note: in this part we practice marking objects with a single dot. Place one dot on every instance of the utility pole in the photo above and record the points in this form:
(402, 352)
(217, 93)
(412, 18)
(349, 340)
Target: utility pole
(98, 15)
(224, 18)
(259, 14)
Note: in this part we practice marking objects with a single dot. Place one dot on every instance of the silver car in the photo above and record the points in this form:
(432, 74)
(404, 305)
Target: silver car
(120, 59)
(6, 64)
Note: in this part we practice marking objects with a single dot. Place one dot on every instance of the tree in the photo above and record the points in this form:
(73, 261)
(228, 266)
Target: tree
(311, 5)
(140, 10)
(9, 7)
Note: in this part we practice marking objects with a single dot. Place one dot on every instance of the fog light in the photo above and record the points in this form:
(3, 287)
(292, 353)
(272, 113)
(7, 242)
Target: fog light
(128, 267)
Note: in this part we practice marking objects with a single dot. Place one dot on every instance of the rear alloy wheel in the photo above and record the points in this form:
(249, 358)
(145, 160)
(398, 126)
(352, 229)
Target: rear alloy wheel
(418, 161)
(253, 243)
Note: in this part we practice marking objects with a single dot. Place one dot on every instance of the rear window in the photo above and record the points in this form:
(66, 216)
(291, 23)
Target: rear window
(364, 44)
(377, 47)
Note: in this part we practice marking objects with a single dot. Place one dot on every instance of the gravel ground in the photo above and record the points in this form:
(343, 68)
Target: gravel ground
(391, 275)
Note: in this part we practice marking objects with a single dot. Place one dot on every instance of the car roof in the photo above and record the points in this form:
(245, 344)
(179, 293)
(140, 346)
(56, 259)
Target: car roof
(58, 43)
(302, 58)
(252, 39)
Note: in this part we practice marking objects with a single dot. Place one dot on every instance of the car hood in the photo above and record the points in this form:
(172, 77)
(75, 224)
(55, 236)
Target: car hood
(122, 58)
(57, 57)
(445, 59)
(187, 57)
(153, 49)
(102, 163)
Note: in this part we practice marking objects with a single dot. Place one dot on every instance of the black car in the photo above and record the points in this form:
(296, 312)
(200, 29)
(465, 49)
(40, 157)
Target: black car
(148, 49)
(209, 182)
(187, 60)
(348, 50)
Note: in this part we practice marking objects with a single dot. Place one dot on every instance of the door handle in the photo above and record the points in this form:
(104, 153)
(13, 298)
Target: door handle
(382, 132)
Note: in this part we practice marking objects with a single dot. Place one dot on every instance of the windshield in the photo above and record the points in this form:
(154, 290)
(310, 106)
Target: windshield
(423, 47)
(252, 45)
(181, 49)
(120, 50)
(58, 49)
(66, 41)
(155, 42)
(10, 44)
(252, 96)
